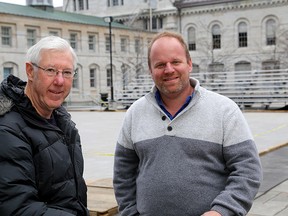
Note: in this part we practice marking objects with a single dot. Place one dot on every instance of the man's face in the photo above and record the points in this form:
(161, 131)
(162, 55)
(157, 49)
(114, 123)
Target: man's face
(169, 67)
(49, 92)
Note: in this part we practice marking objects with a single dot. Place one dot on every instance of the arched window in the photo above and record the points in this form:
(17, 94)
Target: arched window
(242, 35)
(216, 67)
(125, 69)
(191, 38)
(108, 75)
(195, 69)
(243, 66)
(9, 68)
(216, 72)
(216, 37)
(75, 83)
(270, 32)
(270, 65)
(93, 71)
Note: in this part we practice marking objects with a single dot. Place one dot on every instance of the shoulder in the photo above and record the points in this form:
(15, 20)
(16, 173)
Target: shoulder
(215, 99)
(6, 104)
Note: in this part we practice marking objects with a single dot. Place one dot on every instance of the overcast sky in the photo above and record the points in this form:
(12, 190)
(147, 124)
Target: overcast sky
(56, 3)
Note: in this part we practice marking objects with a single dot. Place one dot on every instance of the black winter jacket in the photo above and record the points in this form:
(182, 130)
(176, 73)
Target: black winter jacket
(41, 165)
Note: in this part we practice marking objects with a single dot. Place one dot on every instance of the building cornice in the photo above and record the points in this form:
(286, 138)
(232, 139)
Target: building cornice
(202, 7)
(188, 4)
(232, 5)
(146, 15)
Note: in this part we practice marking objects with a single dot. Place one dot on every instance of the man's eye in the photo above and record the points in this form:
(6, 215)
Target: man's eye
(67, 73)
(51, 70)
(160, 65)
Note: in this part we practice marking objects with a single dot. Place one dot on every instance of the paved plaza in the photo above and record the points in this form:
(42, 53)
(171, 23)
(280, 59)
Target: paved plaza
(99, 131)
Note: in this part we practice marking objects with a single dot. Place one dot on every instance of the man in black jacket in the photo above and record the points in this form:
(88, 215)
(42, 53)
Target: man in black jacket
(41, 159)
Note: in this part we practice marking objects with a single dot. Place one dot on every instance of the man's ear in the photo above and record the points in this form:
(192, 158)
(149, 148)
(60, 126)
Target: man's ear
(29, 71)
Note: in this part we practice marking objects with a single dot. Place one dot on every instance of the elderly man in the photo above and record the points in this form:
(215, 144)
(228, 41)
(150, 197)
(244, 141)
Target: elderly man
(41, 159)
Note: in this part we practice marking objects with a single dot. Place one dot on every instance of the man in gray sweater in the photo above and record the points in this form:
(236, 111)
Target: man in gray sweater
(183, 150)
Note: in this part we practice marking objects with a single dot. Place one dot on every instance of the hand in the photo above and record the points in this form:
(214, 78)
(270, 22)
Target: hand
(211, 213)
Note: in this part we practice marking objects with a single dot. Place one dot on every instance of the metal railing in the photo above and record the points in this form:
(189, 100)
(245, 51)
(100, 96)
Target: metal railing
(262, 89)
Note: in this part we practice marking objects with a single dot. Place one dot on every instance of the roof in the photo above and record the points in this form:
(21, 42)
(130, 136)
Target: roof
(55, 15)
(195, 3)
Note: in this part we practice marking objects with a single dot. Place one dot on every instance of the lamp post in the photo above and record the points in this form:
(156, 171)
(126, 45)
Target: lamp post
(109, 20)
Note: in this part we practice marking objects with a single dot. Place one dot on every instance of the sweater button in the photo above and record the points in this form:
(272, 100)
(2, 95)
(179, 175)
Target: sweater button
(169, 128)
(163, 118)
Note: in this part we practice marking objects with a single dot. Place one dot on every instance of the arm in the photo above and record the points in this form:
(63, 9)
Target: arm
(126, 170)
(243, 164)
(125, 174)
(19, 194)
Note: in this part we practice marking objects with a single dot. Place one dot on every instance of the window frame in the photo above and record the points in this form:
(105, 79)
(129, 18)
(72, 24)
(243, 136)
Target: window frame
(6, 37)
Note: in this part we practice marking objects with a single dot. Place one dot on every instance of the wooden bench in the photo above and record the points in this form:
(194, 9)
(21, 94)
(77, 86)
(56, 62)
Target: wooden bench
(101, 199)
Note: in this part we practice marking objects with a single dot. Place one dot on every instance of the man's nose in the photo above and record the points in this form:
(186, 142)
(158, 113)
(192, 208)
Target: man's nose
(168, 67)
(59, 78)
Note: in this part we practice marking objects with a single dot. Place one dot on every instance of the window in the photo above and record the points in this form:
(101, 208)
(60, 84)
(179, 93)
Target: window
(87, 4)
(139, 70)
(73, 41)
(7, 71)
(107, 43)
(74, 5)
(137, 45)
(243, 75)
(195, 69)
(160, 23)
(115, 2)
(108, 71)
(215, 74)
(216, 67)
(124, 44)
(6, 35)
(154, 23)
(270, 32)
(91, 42)
(92, 77)
(108, 3)
(54, 33)
(243, 66)
(75, 83)
(124, 68)
(216, 37)
(270, 65)
(31, 37)
(242, 35)
(191, 39)
(81, 5)
(157, 23)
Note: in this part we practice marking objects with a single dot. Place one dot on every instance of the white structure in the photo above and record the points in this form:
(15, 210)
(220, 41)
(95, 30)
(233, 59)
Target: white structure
(238, 47)
(224, 38)
(23, 26)
(223, 35)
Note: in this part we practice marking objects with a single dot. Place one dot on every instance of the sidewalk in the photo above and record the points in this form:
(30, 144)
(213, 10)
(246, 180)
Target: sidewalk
(272, 199)
(99, 131)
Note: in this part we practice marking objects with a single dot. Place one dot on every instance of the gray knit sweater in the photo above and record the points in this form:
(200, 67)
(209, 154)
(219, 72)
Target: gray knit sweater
(204, 159)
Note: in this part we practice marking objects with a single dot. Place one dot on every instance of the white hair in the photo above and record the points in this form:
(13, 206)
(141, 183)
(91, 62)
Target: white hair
(50, 43)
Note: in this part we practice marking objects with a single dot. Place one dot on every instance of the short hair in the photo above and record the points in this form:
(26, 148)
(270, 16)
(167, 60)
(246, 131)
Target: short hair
(172, 35)
(50, 43)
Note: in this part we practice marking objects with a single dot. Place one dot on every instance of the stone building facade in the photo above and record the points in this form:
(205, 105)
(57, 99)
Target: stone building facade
(23, 26)
(223, 35)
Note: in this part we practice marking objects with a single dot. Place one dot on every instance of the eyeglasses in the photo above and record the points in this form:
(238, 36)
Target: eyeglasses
(53, 72)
